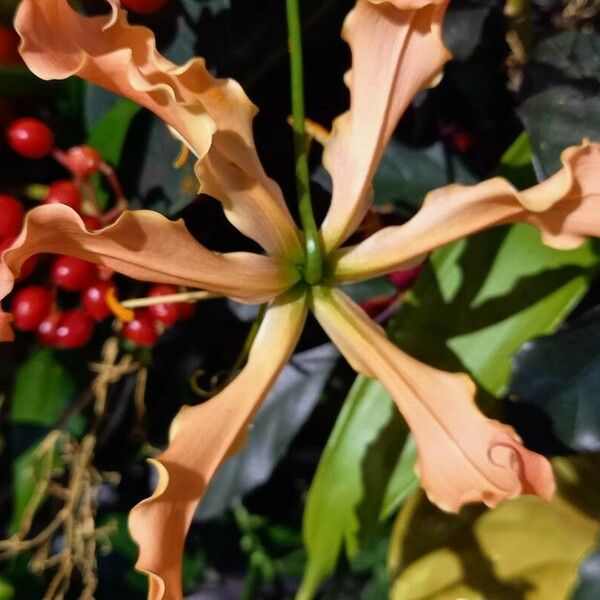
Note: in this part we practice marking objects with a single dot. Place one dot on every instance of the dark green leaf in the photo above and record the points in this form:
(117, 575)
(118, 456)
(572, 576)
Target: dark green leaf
(555, 386)
(562, 85)
(286, 409)
(42, 389)
(406, 174)
(108, 137)
(463, 27)
(16, 80)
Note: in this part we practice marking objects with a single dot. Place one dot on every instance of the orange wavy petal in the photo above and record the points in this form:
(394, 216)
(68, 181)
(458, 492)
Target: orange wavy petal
(564, 208)
(464, 457)
(202, 437)
(147, 246)
(212, 116)
(397, 50)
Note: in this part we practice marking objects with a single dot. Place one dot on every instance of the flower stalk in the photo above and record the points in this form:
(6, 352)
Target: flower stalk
(313, 266)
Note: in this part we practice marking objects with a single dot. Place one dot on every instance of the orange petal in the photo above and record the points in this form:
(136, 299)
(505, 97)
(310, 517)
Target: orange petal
(204, 112)
(564, 207)
(248, 203)
(146, 246)
(463, 456)
(202, 438)
(397, 50)
(58, 42)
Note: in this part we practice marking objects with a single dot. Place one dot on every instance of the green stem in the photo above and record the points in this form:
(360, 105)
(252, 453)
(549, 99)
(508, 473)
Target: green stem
(313, 267)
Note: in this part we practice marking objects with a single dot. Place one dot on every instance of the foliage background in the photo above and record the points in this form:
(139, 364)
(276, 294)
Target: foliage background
(323, 500)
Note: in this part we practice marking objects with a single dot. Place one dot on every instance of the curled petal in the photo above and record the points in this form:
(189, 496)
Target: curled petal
(206, 113)
(202, 437)
(565, 208)
(58, 42)
(463, 456)
(146, 246)
(397, 50)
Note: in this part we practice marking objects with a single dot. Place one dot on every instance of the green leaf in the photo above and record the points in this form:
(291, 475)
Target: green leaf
(474, 306)
(484, 297)
(403, 480)
(7, 591)
(515, 164)
(109, 133)
(31, 472)
(357, 463)
(108, 137)
(42, 389)
(494, 553)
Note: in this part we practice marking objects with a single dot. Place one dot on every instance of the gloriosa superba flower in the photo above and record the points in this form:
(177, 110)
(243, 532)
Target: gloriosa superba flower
(397, 50)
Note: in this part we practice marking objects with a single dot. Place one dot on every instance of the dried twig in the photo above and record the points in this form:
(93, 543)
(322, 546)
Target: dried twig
(73, 528)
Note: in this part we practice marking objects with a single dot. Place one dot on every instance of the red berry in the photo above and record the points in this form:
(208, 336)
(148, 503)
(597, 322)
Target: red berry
(167, 313)
(30, 306)
(9, 47)
(462, 141)
(73, 274)
(11, 216)
(83, 161)
(186, 310)
(28, 267)
(91, 223)
(141, 330)
(6, 243)
(143, 6)
(375, 306)
(74, 330)
(405, 278)
(94, 300)
(47, 328)
(30, 138)
(64, 192)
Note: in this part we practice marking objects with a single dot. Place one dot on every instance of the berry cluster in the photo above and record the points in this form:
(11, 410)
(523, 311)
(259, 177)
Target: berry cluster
(34, 307)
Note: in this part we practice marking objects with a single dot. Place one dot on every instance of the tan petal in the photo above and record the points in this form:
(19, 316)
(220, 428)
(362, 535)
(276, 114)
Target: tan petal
(147, 246)
(248, 204)
(463, 456)
(397, 50)
(202, 438)
(565, 208)
(205, 112)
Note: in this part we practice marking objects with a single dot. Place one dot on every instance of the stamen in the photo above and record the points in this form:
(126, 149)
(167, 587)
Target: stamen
(314, 130)
(120, 311)
(190, 297)
(182, 157)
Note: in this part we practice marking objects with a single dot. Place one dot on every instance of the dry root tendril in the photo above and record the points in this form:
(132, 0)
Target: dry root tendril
(75, 486)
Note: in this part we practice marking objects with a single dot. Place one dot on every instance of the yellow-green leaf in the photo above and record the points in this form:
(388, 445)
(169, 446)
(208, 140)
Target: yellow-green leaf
(525, 548)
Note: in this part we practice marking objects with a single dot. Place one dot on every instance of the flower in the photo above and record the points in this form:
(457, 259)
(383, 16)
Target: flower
(396, 51)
